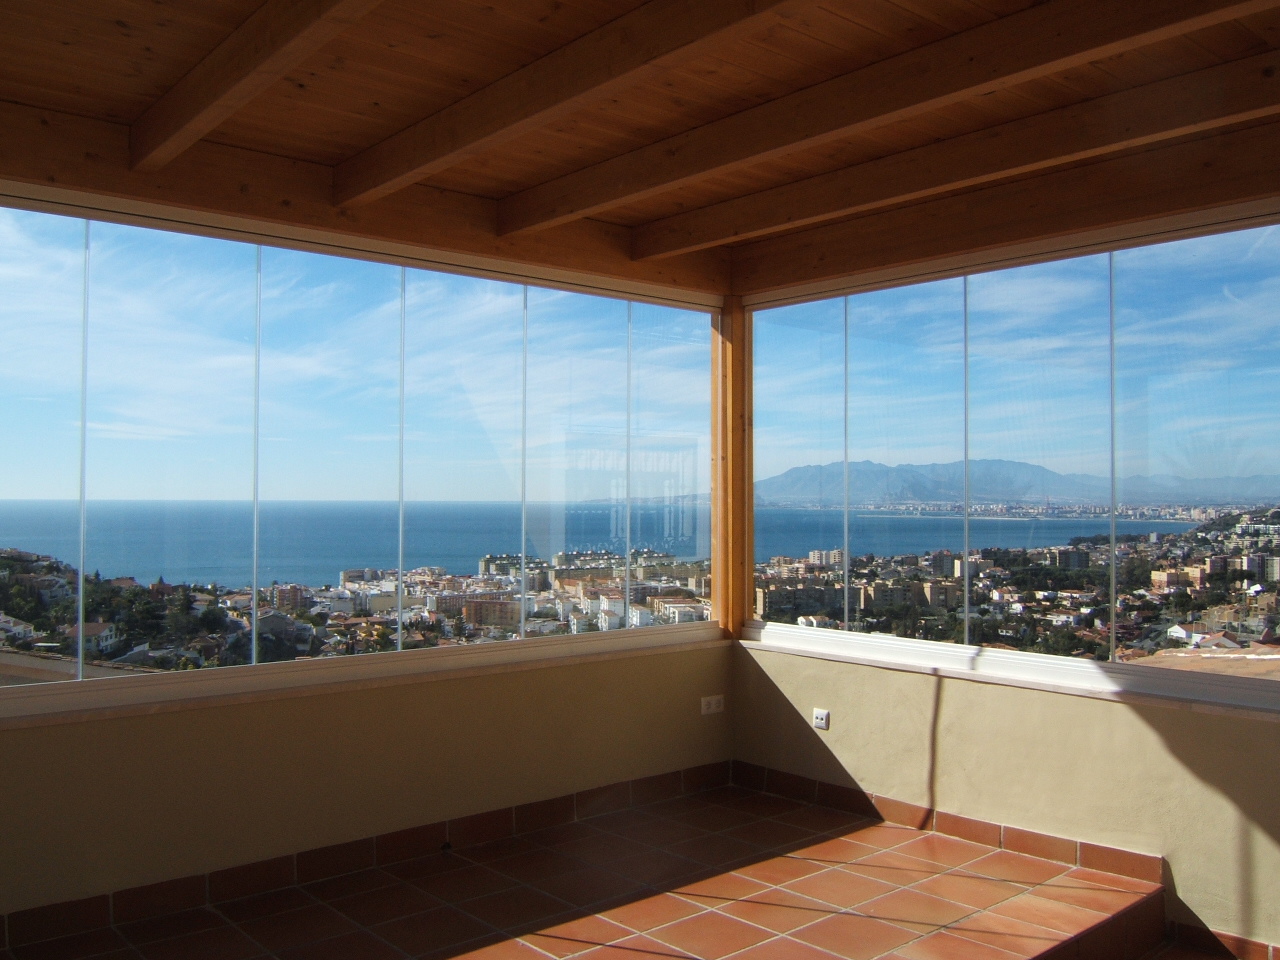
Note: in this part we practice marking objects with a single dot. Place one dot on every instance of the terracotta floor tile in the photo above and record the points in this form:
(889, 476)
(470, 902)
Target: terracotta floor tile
(358, 945)
(498, 849)
(561, 833)
(760, 804)
(660, 831)
(783, 948)
(535, 865)
(842, 889)
(715, 818)
(501, 950)
(1083, 893)
(466, 883)
(779, 870)
(889, 866)
(656, 911)
(297, 927)
(939, 848)
(1004, 933)
(590, 886)
(915, 910)
(770, 834)
(721, 889)
(349, 883)
(970, 888)
(1112, 881)
(946, 946)
(516, 907)
(778, 910)
(603, 849)
(265, 904)
(1054, 914)
(220, 943)
(636, 948)
(444, 927)
(881, 835)
(833, 851)
(384, 903)
(171, 925)
(1017, 867)
(854, 937)
(576, 936)
(427, 866)
(710, 935)
(657, 867)
(715, 849)
(822, 819)
(73, 947)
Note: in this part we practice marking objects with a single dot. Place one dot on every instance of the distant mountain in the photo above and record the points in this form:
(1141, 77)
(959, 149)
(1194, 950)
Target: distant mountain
(999, 481)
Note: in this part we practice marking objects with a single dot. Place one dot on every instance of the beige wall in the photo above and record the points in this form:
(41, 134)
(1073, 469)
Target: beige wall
(1203, 790)
(99, 806)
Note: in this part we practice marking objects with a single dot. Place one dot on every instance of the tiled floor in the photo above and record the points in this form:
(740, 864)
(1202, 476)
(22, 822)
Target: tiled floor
(726, 873)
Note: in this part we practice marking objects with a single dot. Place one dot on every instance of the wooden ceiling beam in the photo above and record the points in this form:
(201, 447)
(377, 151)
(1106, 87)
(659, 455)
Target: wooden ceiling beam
(1192, 185)
(539, 93)
(84, 163)
(1193, 103)
(275, 39)
(1042, 40)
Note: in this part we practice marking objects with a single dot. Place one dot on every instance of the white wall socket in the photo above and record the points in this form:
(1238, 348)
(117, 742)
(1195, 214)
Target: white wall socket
(713, 704)
(821, 719)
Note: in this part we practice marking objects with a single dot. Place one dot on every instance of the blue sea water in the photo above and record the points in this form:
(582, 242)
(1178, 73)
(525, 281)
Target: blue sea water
(310, 542)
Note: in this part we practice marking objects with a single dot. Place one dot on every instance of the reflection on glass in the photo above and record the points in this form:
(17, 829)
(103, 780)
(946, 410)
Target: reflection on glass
(41, 284)
(1198, 453)
(906, 461)
(576, 480)
(464, 353)
(328, 460)
(670, 453)
(169, 458)
(799, 463)
(1040, 451)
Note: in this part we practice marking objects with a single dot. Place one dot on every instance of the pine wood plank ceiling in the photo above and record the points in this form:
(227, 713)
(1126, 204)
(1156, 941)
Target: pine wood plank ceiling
(717, 146)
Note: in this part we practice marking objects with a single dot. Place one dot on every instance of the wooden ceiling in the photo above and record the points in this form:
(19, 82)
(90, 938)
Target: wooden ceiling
(701, 147)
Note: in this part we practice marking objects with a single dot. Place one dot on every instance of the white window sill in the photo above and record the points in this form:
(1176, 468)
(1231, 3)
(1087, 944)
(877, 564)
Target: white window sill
(41, 704)
(1124, 682)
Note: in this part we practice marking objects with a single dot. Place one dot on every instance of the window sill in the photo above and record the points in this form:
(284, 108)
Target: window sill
(75, 701)
(1123, 682)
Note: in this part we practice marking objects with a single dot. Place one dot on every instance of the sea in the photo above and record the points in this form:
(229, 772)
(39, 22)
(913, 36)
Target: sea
(311, 542)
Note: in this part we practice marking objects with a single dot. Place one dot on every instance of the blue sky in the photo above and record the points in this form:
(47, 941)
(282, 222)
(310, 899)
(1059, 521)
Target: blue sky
(171, 375)
(1197, 361)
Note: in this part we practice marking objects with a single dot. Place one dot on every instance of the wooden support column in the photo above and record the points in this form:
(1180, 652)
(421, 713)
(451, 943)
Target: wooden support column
(732, 479)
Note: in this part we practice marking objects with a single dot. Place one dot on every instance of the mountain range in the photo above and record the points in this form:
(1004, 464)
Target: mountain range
(1000, 481)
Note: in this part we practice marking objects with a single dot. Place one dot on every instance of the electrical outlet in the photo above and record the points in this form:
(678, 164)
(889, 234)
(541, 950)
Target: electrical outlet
(821, 719)
(713, 704)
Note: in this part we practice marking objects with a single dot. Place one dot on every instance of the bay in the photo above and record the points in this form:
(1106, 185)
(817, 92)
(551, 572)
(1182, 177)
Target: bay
(311, 542)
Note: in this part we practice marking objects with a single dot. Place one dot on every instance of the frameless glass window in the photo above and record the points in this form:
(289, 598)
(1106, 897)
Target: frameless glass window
(41, 290)
(906, 461)
(799, 386)
(463, 397)
(328, 457)
(251, 455)
(1039, 458)
(1198, 454)
(169, 456)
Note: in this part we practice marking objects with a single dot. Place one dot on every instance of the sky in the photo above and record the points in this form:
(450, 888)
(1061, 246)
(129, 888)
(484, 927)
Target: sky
(170, 377)
(1197, 366)
(170, 373)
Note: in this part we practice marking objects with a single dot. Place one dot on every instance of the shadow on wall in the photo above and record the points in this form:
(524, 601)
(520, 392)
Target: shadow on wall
(1237, 760)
